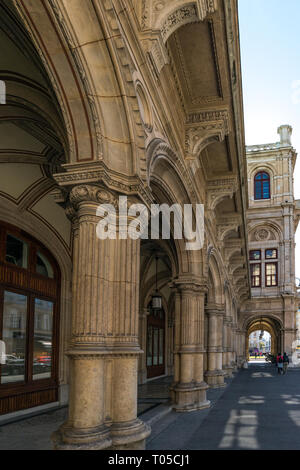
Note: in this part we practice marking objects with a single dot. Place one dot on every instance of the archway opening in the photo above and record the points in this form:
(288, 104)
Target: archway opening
(260, 345)
(264, 338)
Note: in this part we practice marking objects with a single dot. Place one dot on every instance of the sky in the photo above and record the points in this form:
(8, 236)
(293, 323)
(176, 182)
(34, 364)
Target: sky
(270, 53)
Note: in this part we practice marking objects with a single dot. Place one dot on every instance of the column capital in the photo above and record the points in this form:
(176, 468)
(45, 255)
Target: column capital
(191, 283)
(215, 309)
(97, 174)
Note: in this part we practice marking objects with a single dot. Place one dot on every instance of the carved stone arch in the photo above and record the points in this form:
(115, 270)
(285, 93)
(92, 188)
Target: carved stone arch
(91, 96)
(159, 149)
(205, 128)
(256, 317)
(167, 247)
(262, 232)
(215, 272)
(45, 28)
(267, 167)
(147, 290)
(188, 261)
(31, 117)
(115, 24)
(232, 253)
(171, 17)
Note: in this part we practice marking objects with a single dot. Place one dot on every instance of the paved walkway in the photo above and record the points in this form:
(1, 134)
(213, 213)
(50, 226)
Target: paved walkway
(258, 410)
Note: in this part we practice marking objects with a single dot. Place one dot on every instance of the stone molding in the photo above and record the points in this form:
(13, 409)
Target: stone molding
(219, 189)
(163, 21)
(204, 128)
(99, 173)
(227, 225)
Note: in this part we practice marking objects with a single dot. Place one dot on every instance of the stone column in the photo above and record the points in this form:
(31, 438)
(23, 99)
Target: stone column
(227, 354)
(234, 346)
(104, 348)
(214, 376)
(170, 345)
(188, 391)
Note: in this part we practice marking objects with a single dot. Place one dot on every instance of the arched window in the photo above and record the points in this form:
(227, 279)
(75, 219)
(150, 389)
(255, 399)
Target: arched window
(262, 186)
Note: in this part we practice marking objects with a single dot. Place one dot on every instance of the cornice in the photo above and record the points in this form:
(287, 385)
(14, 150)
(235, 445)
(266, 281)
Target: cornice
(98, 172)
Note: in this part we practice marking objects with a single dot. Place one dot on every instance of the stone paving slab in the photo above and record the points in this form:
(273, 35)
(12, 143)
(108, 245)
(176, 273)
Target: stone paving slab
(260, 410)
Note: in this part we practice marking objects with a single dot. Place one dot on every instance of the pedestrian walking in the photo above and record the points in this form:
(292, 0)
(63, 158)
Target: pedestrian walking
(286, 362)
(279, 362)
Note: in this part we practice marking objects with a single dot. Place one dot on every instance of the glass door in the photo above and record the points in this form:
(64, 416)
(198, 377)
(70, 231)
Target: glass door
(156, 343)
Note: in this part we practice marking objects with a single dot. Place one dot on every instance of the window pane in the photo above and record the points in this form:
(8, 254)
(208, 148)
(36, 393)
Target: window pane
(43, 266)
(255, 269)
(14, 337)
(258, 190)
(271, 254)
(149, 345)
(266, 190)
(255, 254)
(161, 346)
(271, 269)
(155, 347)
(42, 339)
(271, 274)
(16, 251)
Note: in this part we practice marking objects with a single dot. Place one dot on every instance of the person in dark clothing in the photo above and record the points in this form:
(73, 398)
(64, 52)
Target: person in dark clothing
(286, 362)
(279, 362)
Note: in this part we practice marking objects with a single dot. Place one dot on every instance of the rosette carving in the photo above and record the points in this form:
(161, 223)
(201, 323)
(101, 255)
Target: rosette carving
(88, 193)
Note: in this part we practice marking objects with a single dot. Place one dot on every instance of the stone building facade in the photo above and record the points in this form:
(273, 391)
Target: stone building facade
(273, 217)
(143, 99)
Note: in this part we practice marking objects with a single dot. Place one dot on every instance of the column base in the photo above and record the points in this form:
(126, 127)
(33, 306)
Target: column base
(69, 438)
(228, 371)
(215, 378)
(189, 397)
(130, 435)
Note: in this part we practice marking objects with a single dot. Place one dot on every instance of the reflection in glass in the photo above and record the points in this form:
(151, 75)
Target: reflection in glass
(161, 346)
(43, 266)
(271, 275)
(255, 255)
(42, 339)
(155, 347)
(16, 251)
(271, 254)
(14, 337)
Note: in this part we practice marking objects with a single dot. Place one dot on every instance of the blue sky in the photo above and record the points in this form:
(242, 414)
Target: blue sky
(270, 50)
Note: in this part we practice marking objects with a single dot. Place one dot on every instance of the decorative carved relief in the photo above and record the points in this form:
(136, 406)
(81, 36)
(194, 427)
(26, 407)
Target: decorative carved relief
(87, 193)
(218, 190)
(262, 235)
(227, 225)
(184, 15)
(205, 128)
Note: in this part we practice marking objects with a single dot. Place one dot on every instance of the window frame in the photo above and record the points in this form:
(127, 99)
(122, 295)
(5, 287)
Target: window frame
(253, 251)
(252, 276)
(271, 249)
(276, 274)
(256, 198)
(27, 282)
